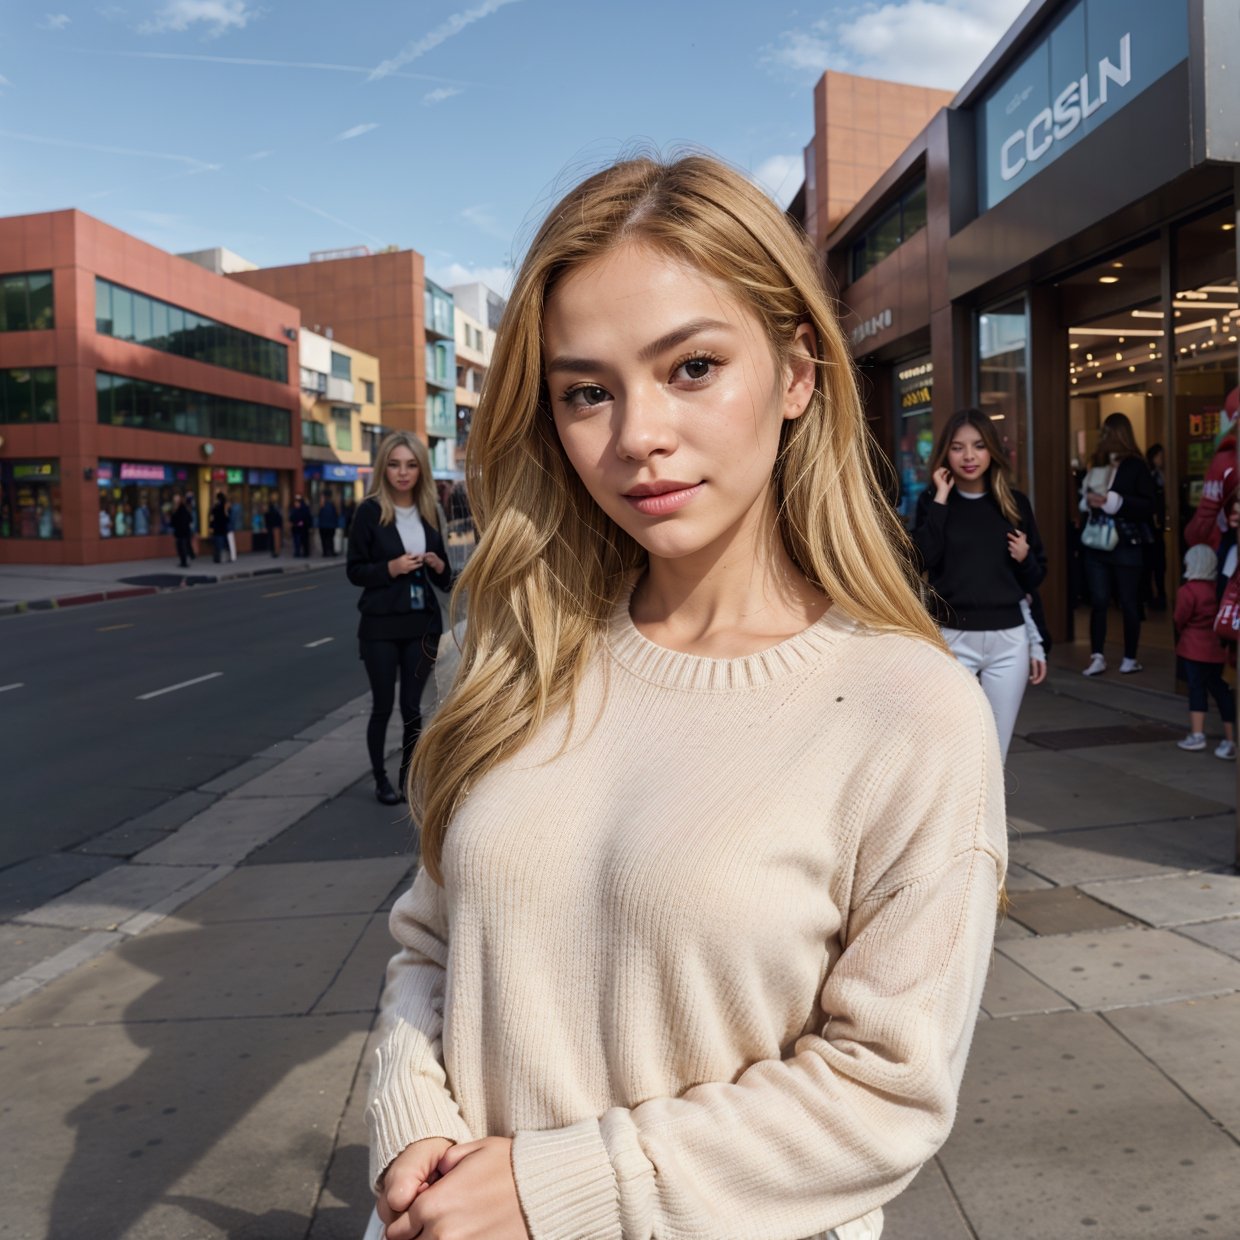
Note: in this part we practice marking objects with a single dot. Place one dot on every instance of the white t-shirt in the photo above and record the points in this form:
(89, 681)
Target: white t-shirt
(411, 530)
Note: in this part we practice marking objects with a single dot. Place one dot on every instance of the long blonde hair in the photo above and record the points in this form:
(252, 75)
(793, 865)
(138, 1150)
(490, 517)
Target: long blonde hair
(423, 493)
(998, 473)
(549, 566)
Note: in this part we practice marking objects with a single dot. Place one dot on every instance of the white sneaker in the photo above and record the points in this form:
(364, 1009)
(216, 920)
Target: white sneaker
(1194, 741)
(1226, 750)
(1097, 665)
(1130, 665)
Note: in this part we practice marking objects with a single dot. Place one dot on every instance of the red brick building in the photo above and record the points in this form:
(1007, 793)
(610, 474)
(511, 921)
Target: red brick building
(128, 375)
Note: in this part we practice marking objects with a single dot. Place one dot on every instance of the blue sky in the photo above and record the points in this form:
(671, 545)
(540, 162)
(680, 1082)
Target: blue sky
(277, 127)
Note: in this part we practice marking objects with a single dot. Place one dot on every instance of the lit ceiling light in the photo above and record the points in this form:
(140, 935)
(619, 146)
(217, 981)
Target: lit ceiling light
(1117, 264)
(1108, 279)
(1074, 345)
(1132, 368)
(1119, 357)
(1228, 227)
(1231, 340)
(1089, 357)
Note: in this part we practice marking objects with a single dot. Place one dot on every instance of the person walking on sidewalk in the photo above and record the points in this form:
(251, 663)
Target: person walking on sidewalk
(1203, 653)
(1118, 495)
(396, 552)
(299, 523)
(236, 522)
(982, 553)
(182, 530)
(219, 527)
(328, 521)
(274, 522)
(712, 824)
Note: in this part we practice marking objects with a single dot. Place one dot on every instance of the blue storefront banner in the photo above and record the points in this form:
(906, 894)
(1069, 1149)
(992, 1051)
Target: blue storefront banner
(1097, 57)
(340, 473)
(262, 477)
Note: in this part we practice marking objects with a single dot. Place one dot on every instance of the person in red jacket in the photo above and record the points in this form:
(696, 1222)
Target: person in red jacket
(1203, 652)
(1222, 481)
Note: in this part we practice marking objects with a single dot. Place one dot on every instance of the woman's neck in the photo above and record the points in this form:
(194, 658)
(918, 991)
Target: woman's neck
(971, 486)
(728, 601)
(403, 501)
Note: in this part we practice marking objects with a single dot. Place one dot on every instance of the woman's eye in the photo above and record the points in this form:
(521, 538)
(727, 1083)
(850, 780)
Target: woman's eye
(584, 397)
(695, 369)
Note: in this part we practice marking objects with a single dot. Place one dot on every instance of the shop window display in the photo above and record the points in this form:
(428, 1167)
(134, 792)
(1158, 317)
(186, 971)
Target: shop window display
(135, 497)
(30, 499)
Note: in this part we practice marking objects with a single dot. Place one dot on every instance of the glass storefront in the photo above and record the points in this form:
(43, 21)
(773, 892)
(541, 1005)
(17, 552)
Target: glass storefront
(1003, 381)
(30, 499)
(914, 388)
(135, 497)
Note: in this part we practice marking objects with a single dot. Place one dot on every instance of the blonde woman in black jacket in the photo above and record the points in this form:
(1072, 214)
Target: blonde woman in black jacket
(396, 553)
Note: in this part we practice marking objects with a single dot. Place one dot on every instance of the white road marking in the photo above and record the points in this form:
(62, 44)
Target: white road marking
(111, 628)
(185, 684)
(321, 642)
(18, 685)
(282, 593)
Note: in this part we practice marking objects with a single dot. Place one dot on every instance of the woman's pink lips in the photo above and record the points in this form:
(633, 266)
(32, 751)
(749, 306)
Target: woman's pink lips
(668, 501)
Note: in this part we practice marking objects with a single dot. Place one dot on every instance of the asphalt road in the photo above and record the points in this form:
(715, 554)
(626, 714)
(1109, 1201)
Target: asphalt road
(108, 711)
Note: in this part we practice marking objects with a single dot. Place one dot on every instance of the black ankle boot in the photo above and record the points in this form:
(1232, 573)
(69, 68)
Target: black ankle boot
(384, 792)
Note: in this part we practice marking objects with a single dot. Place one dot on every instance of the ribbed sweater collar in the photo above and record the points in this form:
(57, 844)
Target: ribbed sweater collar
(696, 673)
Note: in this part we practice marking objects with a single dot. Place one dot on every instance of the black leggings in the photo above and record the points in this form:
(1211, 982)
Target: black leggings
(414, 660)
(1119, 570)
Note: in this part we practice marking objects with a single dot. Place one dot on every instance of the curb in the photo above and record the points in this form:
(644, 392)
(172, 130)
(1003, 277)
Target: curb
(188, 580)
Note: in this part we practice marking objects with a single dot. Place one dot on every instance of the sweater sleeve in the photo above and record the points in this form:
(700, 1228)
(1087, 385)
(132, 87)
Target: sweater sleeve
(929, 525)
(362, 566)
(410, 1098)
(842, 1122)
(1032, 572)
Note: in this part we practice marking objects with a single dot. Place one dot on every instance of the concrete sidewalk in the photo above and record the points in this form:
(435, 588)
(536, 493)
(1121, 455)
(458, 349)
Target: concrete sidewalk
(184, 1043)
(45, 587)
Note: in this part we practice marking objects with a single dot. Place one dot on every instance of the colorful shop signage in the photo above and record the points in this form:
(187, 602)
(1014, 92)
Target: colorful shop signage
(131, 472)
(1097, 57)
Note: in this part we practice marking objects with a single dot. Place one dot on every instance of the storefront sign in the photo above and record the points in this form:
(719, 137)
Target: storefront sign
(340, 473)
(142, 473)
(1096, 58)
(871, 327)
(235, 476)
(34, 469)
(262, 478)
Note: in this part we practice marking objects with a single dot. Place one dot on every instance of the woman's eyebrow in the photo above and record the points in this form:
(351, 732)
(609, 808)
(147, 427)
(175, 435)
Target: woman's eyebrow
(669, 340)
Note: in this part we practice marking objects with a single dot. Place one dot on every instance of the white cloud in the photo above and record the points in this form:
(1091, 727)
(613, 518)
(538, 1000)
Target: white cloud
(921, 42)
(780, 176)
(438, 96)
(192, 165)
(356, 131)
(444, 31)
(498, 279)
(216, 15)
(56, 21)
(334, 219)
(4, 82)
(255, 156)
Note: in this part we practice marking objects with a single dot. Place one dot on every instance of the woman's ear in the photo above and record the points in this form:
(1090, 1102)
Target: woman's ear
(801, 370)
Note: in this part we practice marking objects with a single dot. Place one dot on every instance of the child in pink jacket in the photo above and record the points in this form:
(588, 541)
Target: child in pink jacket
(1203, 653)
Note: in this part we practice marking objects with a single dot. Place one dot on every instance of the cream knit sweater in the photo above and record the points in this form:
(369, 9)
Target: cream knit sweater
(714, 959)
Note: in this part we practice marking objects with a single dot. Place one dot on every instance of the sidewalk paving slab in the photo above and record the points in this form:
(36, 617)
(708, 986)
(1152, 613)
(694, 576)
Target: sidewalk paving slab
(1195, 774)
(1062, 910)
(1176, 900)
(1119, 968)
(1014, 991)
(1195, 1044)
(104, 902)
(26, 947)
(1139, 851)
(926, 1210)
(1060, 789)
(29, 884)
(359, 979)
(196, 1129)
(1223, 936)
(229, 831)
(1054, 1139)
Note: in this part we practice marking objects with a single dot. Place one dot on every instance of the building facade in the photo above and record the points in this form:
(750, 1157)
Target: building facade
(129, 376)
(440, 430)
(376, 302)
(340, 418)
(1065, 247)
(474, 345)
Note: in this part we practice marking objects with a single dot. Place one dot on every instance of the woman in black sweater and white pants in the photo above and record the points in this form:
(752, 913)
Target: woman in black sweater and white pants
(396, 552)
(981, 551)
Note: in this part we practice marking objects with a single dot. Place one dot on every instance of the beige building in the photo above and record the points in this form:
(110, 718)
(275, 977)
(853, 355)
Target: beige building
(474, 345)
(340, 418)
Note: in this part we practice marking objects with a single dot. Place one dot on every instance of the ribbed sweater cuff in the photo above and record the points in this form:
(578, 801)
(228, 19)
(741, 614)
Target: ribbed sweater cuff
(566, 1184)
(402, 1116)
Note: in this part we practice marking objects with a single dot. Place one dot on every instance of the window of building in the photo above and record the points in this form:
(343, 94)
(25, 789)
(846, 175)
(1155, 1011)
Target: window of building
(30, 505)
(890, 230)
(126, 315)
(28, 395)
(342, 428)
(370, 391)
(135, 497)
(314, 434)
(313, 380)
(342, 366)
(123, 401)
(1003, 381)
(26, 302)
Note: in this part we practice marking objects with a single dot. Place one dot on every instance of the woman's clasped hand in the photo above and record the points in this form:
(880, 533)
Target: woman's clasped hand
(439, 1191)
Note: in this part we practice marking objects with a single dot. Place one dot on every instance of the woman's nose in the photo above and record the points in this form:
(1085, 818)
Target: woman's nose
(644, 425)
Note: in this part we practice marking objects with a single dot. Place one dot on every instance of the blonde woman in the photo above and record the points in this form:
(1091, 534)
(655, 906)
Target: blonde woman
(712, 825)
(981, 550)
(395, 553)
